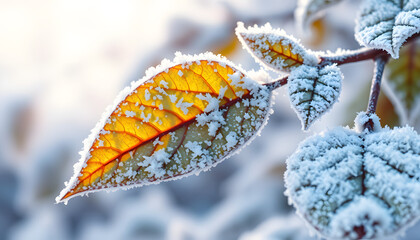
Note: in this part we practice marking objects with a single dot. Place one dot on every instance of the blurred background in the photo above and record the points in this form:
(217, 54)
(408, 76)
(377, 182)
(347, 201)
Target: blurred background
(63, 62)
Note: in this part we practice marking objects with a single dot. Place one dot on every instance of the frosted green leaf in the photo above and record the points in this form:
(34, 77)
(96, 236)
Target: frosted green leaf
(356, 185)
(387, 24)
(313, 91)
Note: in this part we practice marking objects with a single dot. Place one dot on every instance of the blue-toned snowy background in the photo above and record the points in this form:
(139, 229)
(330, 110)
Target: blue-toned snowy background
(62, 62)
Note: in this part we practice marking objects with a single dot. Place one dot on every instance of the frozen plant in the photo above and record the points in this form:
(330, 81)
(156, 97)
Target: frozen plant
(189, 114)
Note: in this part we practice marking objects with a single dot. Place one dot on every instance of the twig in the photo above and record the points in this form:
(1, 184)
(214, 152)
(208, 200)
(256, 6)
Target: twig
(358, 55)
(375, 89)
(276, 83)
(353, 56)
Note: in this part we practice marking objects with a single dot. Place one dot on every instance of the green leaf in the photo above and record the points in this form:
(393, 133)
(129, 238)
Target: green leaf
(313, 91)
(387, 24)
(357, 185)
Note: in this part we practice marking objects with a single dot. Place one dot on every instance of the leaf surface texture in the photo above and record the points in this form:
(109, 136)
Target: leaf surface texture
(184, 118)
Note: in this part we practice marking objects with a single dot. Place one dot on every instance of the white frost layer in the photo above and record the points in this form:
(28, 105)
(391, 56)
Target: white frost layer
(387, 24)
(262, 99)
(342, 180)
(259, 36)
(314, 91)
(366, 212)
(362, 118)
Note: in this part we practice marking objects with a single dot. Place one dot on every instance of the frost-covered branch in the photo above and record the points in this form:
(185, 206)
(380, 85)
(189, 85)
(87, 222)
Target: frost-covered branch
(277, 83)
(356, 55)
(375, 89)
(352, 56)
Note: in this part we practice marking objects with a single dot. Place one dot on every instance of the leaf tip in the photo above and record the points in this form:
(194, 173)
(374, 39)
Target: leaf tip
(63, 197)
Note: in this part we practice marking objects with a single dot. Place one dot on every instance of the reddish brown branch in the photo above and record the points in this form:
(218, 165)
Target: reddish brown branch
(353, 56)
(277, 83)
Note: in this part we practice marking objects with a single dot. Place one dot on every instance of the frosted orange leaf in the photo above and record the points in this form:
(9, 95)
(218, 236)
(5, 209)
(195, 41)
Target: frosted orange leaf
(184, 117)
(274, 48)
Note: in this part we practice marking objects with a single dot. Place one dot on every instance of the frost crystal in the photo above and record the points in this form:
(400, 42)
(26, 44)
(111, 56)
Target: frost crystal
(354, 185)
(363, 118)
(313, 91)
(387, 24)
(273, 48)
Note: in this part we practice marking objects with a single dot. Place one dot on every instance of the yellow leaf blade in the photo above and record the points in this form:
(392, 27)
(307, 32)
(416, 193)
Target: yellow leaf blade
(182, 119)
(273, 48)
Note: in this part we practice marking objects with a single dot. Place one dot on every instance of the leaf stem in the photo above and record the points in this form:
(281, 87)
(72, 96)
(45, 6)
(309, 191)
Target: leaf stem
(380, 62)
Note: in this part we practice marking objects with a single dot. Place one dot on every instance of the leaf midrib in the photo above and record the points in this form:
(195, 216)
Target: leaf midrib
(176, 127)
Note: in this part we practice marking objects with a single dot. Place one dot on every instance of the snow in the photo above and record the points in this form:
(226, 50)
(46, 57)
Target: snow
(222, 91)
(232, 140)
(362, 118)
(130, 113)
(213, 119)
(147, 95)
(145, 118)
(313, 91)
(365, 212)
(342, 179)
(256, 41)
(154, 164)
(164, 84)
(386, 25)
(180, 73)
(173, 98)
(183, 105)
(157, 141)
(212, 102)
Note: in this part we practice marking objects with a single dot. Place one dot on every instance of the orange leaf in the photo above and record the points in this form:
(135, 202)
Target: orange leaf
(274, 48)
(182, 118)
